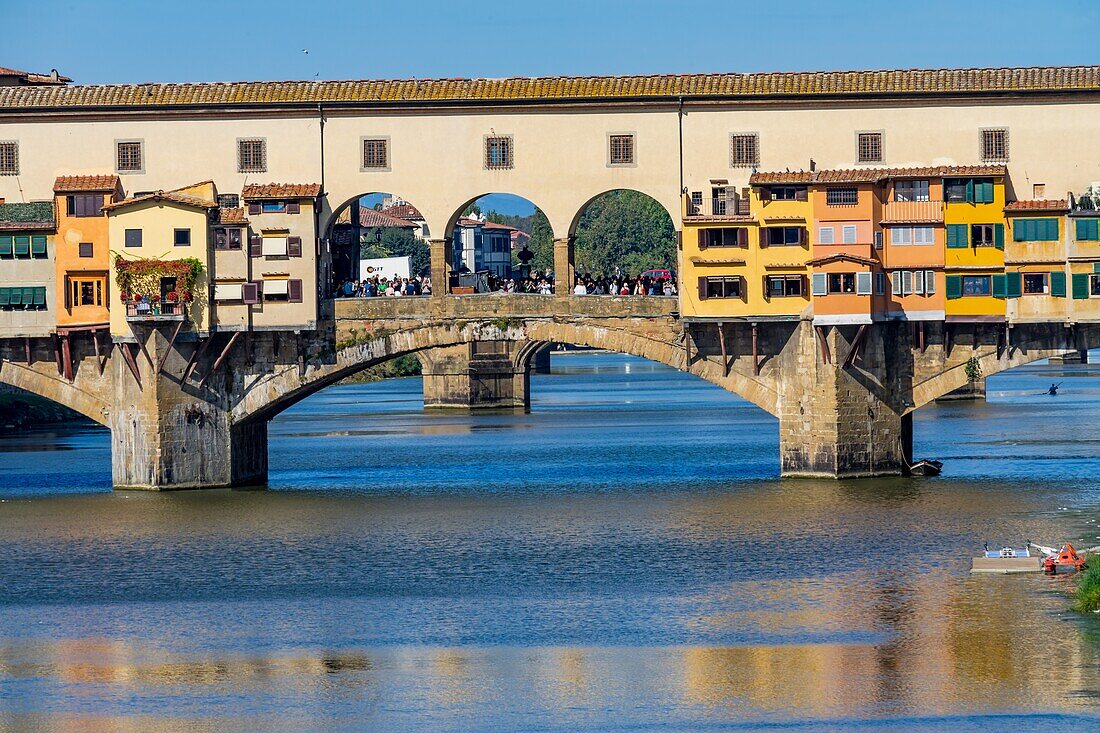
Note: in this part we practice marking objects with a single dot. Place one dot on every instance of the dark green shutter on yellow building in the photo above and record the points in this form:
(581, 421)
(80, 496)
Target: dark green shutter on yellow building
(1088, 230)
(957, 236)
(1080, 285)
(1058, 284)
(954, 286)
(999, 286)
(999, 236)
(1013, 288)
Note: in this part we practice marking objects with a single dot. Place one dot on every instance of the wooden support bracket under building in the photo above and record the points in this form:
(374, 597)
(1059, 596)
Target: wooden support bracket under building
(101, 359)
(857, 344)
(28, 350)
(301, 354)
(57, 353)
(67, 357)
(755, 350)
(143, 336)
(722, 349)
(196, 357)
(167, 351)
(687, 346)
(821, 338)
(128, 357)
(922, 336)
(221, 357)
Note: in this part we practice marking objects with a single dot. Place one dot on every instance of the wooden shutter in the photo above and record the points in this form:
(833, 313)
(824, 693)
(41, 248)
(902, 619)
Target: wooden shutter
(999, 236)
(294, 246)
(954, 286)
(999, 286)
(250, 293)
(1080, 285)
(702, 239)
(294, 291)
(1058, 284)
(743, 237)
(254, 208)
(801, 194)
(957, 236)
(1013, 287)
(1088, 230)
(255, 246)
(702, 288)
(801, 236)
(293, 207)
(970, 191)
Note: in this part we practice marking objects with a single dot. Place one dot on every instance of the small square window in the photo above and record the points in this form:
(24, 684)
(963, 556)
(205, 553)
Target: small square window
(84, 249)
(133, 238)
(869, 147)
(251, 155)
(376, 153)
(129, 156)
(182, 238)
(994, 145)
(1038, 190)
(9, 158)
(229, 201)
(498, 152)
(621, 149)
(744, 150)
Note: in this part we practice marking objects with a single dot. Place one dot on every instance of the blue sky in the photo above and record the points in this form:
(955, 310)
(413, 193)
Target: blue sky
(128, 41)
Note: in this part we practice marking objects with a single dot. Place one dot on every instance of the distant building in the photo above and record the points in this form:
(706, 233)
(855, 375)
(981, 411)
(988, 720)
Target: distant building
(481, 246)
(402, 209)
(17, 78)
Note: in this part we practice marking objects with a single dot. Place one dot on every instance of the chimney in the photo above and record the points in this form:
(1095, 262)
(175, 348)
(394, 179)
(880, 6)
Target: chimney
(813, 165)
(54, 76)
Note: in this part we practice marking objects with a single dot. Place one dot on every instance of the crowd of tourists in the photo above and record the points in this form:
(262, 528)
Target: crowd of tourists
(374, 287)
(540, 284)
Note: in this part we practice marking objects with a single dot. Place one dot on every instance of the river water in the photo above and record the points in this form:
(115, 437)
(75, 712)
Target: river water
(623, 558)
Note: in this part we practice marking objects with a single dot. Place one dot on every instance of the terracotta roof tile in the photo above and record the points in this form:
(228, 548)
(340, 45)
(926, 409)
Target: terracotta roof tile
(232, 216)
(404, 211)
(1038, 205)
(873, 175)
(257, 191)
(72, 184)
(372, 218)
(173, 196)
(886, 82)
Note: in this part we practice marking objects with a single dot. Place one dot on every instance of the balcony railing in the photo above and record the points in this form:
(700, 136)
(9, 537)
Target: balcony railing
(912, 212)
(162, 311)
(721, 207)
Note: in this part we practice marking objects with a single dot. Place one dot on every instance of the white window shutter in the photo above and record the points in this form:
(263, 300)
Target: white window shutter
(849, 234)
(906, 282)
(918, 282)
(895, 282)
(929, 282)
(821, 285)
(825, 235)
(863, 283)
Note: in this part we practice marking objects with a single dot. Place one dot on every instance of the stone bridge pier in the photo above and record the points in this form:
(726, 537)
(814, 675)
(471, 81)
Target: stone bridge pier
(478, 375)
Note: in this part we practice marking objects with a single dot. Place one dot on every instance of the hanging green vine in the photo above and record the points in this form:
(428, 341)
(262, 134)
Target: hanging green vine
(973, 369)
(139, 280)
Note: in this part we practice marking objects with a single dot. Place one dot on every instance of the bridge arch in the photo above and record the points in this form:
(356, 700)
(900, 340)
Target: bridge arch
(622, 229)
(46, 383)
(404, 231)
(287, 386)
(578, 211)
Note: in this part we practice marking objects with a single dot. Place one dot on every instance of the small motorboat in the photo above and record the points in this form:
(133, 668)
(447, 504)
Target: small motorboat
(926, 468)
(1005, 561)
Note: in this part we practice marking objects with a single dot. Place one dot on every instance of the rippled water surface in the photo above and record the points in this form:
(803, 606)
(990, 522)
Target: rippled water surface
(622, 558)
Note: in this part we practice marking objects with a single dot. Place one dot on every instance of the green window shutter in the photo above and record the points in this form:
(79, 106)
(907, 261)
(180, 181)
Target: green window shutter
(970, 191)
(38, 244)
(954, 286)
(999, 236)
(15, 296)
(1052, 230)
(983, 192)
(1058, 284)
(999, 286)
(40, 296)
(5, 295)
(1013, 282)
(28, 296)
(958, 236)
(1096, 267)
(22, 246)
(1080, 285)
(6, 245)
(1088, 230)
(1020, 230)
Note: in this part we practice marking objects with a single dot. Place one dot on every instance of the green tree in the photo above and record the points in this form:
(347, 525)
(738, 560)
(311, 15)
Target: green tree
(395, 242)
(624, 229)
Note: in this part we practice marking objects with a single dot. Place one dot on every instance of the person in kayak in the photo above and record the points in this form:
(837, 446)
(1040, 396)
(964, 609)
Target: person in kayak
(1053, 390)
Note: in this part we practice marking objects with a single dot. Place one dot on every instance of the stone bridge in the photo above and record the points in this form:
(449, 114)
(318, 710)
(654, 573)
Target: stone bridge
(193, 413)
